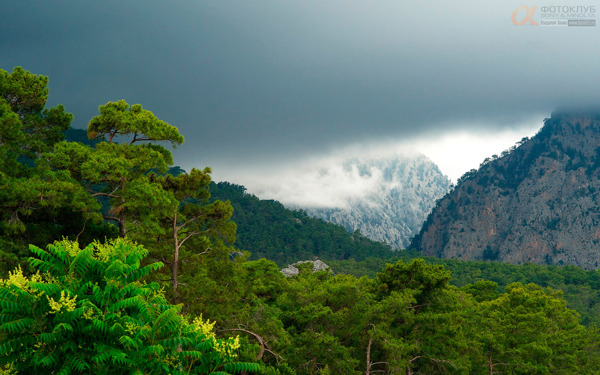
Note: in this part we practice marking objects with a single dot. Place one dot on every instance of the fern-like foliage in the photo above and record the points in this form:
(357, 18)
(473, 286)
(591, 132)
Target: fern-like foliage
(88, 311)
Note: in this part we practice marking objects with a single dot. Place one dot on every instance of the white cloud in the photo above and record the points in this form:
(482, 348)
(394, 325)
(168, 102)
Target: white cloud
(458, 152)
(315, 182)
(329, 186)
(328, 180)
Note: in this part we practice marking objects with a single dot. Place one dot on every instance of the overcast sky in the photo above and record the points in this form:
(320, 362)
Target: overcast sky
(258, 86)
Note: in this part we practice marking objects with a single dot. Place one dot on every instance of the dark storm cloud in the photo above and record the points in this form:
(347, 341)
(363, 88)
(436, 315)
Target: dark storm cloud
(249, 81)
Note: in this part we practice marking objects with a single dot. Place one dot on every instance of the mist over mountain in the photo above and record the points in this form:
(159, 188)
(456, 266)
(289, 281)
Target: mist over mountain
(398, 193)
(539, 202)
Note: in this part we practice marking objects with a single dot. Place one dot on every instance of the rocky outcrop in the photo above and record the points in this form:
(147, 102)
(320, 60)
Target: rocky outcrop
(292, 269)
(395, 209)
(539, 202)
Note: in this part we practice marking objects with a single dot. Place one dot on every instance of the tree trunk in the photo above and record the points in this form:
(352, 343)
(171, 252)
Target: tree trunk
(122, 229)
(175, 265)
(174, 272)
(369, 356)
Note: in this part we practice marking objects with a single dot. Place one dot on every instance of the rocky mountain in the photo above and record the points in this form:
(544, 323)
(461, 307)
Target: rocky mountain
(396, 207)
(538, 202)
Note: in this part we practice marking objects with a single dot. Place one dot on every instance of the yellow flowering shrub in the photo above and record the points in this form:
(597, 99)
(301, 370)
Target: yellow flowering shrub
(204, 327)
(226, 348)
(90, 311)
(64, 301)
(17, 279)
(8, 370)
(71, 247)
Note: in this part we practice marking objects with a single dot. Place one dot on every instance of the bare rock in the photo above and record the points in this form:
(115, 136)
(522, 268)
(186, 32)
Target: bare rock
(292, 269)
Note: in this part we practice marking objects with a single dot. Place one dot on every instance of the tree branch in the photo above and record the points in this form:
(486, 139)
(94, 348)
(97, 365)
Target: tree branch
(110, 139)
(134, 138)
(191, 234)
(263, 345)
(144, 139)
(187, 222)
(110, 195)
(82, 229)
(105, 195)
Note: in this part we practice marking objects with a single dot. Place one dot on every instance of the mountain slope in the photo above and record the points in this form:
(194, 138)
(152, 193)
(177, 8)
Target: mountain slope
(269, 230)
(396, 208)
(538, 203)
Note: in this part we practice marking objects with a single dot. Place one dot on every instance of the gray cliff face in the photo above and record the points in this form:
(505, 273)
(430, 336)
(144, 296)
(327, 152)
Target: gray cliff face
(395, 209)
(538, 203)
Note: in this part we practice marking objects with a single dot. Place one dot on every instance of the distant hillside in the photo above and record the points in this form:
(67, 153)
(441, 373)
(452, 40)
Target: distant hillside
(394, 211)
(268, 230)
(539, 202)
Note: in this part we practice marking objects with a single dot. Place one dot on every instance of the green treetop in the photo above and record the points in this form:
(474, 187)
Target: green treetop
(26, 94)
(119, 118)
(34, 200)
